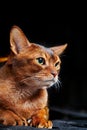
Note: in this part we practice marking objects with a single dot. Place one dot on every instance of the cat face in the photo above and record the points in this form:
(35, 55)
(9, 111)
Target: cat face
(34, 65)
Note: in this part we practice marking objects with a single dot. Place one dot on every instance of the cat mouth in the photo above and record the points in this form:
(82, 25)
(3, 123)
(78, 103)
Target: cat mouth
(52, 80)
(49, 83)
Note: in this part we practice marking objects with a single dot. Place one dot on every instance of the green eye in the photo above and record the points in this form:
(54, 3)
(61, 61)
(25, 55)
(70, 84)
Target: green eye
(41, 60)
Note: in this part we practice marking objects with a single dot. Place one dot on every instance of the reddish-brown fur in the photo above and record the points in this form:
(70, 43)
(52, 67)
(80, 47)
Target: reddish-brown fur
(24, 79)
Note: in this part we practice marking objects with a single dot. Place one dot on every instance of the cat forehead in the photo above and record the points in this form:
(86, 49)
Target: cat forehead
(43, 48)
(48, 50)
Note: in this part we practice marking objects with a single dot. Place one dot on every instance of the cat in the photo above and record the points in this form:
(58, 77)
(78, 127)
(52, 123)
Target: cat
(28, 72)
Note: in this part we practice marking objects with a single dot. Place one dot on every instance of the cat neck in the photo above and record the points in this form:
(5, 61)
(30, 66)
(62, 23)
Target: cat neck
(29, 91)
(25, 95)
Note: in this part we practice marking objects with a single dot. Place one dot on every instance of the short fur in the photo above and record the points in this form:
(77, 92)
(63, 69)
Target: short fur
(24, 79)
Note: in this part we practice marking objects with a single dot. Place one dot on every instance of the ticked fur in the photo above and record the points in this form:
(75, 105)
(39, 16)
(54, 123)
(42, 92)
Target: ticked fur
(29, 70)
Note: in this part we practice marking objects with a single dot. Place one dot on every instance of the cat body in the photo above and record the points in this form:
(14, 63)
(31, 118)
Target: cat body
(29, 70)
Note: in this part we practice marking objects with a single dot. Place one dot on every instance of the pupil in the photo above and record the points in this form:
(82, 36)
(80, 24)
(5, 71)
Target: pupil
(40, 60)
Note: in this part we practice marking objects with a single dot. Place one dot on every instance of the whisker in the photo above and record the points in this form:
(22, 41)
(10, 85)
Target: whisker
(58, 85)
(29, 77)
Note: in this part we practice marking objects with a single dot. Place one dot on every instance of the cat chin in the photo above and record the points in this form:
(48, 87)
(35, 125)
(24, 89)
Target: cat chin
(46, 87)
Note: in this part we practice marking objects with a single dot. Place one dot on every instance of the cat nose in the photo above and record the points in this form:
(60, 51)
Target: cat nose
(54, 73)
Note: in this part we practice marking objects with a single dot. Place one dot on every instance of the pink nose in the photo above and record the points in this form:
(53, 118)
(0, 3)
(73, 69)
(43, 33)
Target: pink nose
(54, 73)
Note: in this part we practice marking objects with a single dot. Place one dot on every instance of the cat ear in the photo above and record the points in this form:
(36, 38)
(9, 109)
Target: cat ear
(59, 49)
(18, 40)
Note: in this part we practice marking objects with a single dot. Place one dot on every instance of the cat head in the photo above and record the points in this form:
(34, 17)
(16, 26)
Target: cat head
(33, 65)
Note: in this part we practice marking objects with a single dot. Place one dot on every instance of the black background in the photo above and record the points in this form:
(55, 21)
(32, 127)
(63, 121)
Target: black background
(73, 76)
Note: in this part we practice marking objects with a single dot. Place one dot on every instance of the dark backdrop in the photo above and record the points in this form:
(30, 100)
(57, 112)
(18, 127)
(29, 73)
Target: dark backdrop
(73, 76)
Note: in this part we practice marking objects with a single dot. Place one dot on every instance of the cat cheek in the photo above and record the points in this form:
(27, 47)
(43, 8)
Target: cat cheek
(58, 71)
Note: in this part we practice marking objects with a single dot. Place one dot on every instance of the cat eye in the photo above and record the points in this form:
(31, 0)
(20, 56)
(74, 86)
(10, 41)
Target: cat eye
(57, 64)
(41, 60)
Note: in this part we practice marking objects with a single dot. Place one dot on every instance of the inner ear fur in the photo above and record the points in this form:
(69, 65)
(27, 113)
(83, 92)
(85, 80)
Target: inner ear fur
(18, 40)
(59, 49)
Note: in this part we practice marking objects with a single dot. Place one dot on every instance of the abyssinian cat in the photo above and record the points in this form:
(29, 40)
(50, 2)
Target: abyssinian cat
(28, 72)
